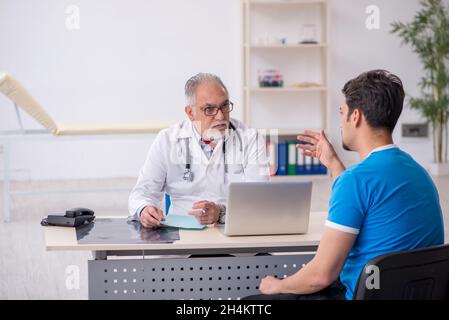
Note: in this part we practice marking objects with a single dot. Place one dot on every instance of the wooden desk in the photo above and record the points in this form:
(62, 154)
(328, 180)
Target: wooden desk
(210, 277)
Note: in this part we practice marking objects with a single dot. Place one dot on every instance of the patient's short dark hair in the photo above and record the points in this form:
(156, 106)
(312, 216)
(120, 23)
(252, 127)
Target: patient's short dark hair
(379, 95)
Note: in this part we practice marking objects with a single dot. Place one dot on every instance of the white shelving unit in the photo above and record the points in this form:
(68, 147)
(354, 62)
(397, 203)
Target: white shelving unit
(310, 177)
(292, 107)
(273, 39)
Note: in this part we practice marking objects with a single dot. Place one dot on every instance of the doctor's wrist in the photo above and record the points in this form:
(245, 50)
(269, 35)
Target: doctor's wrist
(221, 214)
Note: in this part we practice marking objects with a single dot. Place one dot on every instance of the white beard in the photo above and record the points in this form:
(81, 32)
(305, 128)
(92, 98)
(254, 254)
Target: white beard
(212, 134)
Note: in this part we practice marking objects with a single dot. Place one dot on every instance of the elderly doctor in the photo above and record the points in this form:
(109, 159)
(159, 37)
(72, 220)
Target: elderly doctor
(195, 160)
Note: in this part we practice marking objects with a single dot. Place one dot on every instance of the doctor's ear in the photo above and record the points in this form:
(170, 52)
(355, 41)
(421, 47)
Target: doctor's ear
(189, 112)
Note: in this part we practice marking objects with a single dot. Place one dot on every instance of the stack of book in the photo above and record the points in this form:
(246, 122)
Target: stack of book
(286, 159)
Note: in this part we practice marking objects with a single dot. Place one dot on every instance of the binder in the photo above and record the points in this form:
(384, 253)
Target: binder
(282, 159)
(299, 162)
(291, 168)
(322, 169)
(316, 166)
(308, 161)
(272, 156)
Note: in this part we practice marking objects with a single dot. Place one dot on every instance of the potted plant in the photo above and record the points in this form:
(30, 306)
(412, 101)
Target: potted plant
(428, 35)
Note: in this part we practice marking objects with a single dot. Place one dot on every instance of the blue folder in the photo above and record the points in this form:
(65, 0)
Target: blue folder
(300, 162)
(308, 165)
(282, 159)
(322, 169)
(182, 221)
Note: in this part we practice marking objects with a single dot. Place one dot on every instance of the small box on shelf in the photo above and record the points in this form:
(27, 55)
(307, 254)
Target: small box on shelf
(270, 78)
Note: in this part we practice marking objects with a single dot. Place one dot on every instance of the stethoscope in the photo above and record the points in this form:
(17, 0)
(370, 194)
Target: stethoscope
(188, 173)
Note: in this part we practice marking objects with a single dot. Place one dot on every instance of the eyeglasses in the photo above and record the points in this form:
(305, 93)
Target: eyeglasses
(211, 110)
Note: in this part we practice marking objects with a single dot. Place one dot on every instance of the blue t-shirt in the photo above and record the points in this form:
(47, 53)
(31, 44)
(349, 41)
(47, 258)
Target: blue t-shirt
(391, 203)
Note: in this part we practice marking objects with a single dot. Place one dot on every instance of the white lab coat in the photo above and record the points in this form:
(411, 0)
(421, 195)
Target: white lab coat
(165, 165)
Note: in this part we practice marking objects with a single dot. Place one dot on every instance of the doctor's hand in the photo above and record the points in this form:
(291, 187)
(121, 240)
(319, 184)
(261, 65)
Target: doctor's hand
(151, 217)
(321, 149)
(270, 285)
(205, 211)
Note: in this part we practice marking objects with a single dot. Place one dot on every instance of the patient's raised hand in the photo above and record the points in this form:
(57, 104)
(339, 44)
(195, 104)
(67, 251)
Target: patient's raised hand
(321, 148)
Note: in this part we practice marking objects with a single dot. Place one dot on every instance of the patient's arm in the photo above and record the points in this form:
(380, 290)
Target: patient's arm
(323, 150)
(319, 273)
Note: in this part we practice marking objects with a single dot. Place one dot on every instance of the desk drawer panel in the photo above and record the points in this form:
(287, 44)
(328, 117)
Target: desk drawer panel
(211, 277)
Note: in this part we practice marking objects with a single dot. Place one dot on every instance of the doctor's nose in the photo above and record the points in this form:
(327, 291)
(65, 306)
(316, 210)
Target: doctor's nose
(219, 115)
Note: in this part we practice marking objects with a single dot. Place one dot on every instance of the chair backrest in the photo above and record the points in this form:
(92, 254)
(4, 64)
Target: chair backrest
(167, 203)
(420, 274)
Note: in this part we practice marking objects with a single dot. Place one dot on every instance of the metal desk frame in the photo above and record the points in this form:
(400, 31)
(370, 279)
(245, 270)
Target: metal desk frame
(201, 265)
(203, 274)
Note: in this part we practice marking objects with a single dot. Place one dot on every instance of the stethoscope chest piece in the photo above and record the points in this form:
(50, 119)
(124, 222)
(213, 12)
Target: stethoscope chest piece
(188, 175)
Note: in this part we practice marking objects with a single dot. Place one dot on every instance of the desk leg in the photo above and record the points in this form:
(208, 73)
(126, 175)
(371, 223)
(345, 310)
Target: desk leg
(6, 181)
(100, 255)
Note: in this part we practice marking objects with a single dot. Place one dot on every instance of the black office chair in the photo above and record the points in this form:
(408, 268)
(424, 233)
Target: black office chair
(420, 274)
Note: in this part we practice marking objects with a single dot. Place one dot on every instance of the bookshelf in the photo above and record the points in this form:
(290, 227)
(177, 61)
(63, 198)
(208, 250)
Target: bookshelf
(286, 37)
(287, 46)
(283, 90)
(287, 178)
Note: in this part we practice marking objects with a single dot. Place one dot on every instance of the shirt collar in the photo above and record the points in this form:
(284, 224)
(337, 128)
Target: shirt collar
(196, 134)
(185, 130)
(382, 148)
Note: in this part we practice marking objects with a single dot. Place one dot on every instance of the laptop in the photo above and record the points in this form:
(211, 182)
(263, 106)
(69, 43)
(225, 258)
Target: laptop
(267, 208)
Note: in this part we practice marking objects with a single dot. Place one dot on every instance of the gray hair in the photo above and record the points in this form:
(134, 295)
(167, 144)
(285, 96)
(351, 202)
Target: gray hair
(195, 81)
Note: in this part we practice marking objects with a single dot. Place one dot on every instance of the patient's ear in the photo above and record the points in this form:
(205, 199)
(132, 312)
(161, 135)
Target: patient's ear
(356, 117)
(189, 112)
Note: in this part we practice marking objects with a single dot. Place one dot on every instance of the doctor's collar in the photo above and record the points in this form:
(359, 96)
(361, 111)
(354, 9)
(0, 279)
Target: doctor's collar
(186, 130)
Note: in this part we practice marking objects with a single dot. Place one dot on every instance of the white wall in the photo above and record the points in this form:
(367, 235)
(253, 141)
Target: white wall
(355, 49)
(128, 62)
(130, 59)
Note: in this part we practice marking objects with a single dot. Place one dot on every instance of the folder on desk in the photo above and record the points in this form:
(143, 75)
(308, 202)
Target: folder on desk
(182, 221)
